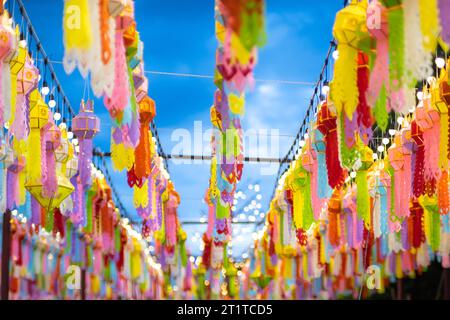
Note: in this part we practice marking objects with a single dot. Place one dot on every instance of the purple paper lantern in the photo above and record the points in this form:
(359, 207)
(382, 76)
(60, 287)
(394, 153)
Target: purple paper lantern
(85, 126)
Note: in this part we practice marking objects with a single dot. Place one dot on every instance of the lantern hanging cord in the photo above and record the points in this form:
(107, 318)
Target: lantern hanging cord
(205, 76)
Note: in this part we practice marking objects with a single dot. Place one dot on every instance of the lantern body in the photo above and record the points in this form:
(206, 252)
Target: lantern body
(319, 140)
(335, 203)
(64, 189)
(6, 155)
(308, 159)
(326, 119)
(423, 119)
(416, 133)
(130, 39)
(27, 78)
(437, 100)
(86, 125)
(17, 164)
(396, 157)
(3, 150)
(62, 152)
(18, 61)
(52, 136)
(116, 7)
(142, 90)
(216, 118)
(366, 158)
(350, 23)
(7, 42)
(38, 114)
(444, 89)
(72, 167)
(385, 179)
(407, 141)
(126, 17)
(135, 52)
(34, 97)
(147, 110)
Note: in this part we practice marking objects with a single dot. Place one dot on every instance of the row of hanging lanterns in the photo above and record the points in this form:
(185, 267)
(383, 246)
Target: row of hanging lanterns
(344, 209)
(107, 48)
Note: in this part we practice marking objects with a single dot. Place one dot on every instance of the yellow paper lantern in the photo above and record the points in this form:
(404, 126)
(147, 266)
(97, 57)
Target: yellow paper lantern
(350, 24)
(63, 190)
(18, 62)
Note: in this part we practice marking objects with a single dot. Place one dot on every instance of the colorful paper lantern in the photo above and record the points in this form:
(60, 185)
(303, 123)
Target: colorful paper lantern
(350, 23)
(116, 7)
(18, 61)
(27, 79)
(142, 152)
(8, 40)
(85, 126)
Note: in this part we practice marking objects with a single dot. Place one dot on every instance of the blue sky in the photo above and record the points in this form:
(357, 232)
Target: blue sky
(178, 36)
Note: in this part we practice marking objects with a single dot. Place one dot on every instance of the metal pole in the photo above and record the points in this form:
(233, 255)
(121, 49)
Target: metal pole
(6, 254)
(83, 283)
(446, 284)
(399, 289)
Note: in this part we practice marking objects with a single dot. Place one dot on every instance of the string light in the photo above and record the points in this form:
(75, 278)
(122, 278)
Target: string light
(22, 42)
(45, 90)
(52, 102)
(420, 95)
(440, 62)
(325, 88)
(57, 116)
(335, 55)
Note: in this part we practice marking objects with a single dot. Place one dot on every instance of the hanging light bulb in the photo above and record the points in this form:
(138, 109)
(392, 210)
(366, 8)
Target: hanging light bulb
(52, 102)
(375, 156)
(400, 120)
(63, 125)
(380, 148)
(440, 62)
(22, 42)
(392, 132)
(45, 90)
(57, 116)
(335, 54)
(70, 135)
(420, 95)
(325, 88)
(353, 174)
(385, 141)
